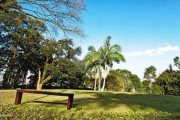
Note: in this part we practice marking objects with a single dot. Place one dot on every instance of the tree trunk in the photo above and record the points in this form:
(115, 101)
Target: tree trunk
(100, 77)
(39, 86)
(24, 78)
(104, 76)
(42, 80)
(102, 89)
(95, 84)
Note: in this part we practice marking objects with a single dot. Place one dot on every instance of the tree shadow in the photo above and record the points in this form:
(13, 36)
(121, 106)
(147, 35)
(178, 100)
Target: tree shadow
(128, 102)
(29, 101)
(61, 103)
(54, 102)
(112, 101)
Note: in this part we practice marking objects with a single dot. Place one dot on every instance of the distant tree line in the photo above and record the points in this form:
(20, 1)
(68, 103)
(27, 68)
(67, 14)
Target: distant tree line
(167, 83)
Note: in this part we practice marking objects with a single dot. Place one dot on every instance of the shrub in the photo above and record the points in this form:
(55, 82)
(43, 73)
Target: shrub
(157, 89)
(44, 113)
(114, 84)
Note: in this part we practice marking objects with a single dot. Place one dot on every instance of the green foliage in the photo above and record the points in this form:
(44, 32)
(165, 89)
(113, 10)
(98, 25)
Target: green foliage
(106, 55)
(58, 57)
(146, 87)
(22, 43)
(114, 84)
(136, 83)
(29, 113)
(68, 71)
(130, 81)
(169, 81)
(163, 80)
(88, 83)
(177, 62)
(166, 83)
(20, 36)
(157, 89)
(150, 73)
(110, 53)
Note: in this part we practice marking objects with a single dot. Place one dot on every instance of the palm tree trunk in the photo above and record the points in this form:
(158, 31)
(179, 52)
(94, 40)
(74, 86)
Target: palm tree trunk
(102, 89)
(105, 72)
(99, 85)
(95, 84)
(100, 78)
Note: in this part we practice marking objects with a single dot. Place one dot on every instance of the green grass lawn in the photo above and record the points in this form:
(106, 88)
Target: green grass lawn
(92, 102)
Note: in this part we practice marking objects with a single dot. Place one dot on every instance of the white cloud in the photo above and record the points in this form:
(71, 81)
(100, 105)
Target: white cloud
(164, 44)
(154, 52)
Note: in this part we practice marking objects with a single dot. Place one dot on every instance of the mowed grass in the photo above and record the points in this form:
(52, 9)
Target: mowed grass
(92, 101)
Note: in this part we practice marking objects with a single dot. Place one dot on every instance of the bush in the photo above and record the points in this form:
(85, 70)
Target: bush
(157, 89)
(44, 113)
(114, 84)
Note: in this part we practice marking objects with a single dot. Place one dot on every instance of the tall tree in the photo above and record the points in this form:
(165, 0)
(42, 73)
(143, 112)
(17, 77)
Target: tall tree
(105, 56)
(169, 81)
(163, 80)
(136, 83)
(21, 29)
(146, 88)
(150, 73)
(93, 64)
(19, 37)
(177, 62)
(53, 51)
(109, 54)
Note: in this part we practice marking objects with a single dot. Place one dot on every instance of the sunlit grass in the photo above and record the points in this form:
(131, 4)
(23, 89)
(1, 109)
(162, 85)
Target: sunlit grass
(91, 101)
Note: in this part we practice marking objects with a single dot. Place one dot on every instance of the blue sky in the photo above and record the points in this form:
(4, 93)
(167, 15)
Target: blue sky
(147, 30)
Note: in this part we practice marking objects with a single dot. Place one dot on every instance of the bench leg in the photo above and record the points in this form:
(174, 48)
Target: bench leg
(18, 98)
(70, 102)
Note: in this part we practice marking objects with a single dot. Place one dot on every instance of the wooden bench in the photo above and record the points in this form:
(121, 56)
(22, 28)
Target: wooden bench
(19, 94)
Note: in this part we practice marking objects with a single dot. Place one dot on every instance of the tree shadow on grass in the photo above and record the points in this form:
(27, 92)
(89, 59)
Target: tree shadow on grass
(50, 103)
(41, 101)
(55, 103)
(112, 101)
(124, 102)
(29, 101)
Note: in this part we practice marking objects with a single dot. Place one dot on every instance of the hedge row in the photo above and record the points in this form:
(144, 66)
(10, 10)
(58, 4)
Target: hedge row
(44, 113)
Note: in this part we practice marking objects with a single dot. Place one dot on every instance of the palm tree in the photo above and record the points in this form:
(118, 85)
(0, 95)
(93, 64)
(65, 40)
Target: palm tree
(105, 57)
(109, 54)
(92, 63)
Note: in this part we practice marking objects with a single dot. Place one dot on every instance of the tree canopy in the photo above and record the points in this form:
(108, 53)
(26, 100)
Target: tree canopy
(22, 42)
(58, 15)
